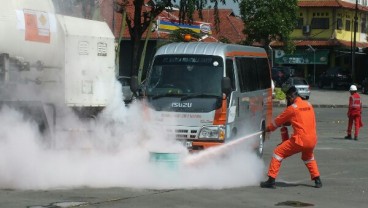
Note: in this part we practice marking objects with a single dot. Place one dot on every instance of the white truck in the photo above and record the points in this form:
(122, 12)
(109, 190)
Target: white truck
(50, 62)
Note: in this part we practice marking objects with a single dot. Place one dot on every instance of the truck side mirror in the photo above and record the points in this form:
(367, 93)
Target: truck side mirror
(134, 84)
(226, 85)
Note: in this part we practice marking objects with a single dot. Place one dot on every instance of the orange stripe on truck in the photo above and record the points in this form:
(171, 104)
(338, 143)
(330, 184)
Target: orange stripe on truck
(246, 53)
(220, 114)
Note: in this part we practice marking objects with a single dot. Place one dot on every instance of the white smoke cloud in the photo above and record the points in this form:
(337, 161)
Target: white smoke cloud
(111, 151)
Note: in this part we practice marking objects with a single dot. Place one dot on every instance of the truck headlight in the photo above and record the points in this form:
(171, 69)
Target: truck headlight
(212, 132)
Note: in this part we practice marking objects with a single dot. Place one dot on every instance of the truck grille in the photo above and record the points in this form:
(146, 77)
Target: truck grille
(179, 133)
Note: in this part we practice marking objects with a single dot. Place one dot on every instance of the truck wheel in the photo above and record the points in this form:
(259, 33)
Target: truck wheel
(261, 140)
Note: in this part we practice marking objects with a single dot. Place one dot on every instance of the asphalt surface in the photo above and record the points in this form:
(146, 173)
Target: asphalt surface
(328, 98)
(342, 164)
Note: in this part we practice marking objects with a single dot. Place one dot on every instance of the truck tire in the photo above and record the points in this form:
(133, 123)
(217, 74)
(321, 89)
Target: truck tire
(261, 139)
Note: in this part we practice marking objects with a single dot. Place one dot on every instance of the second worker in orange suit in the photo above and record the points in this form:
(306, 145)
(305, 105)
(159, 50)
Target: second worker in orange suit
(354, 113)
(300, 114)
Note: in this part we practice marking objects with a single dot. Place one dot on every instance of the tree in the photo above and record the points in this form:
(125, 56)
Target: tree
(269, 20)
(89, 8)
(139, 21)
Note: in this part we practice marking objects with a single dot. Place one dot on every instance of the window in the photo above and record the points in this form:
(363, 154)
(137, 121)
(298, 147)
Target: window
(253, 73)
(299, 23)
(230, 72)
(320, 23)
(364, 25)
(243, 69)
(264, 75)
(347, 25)
(339, 24)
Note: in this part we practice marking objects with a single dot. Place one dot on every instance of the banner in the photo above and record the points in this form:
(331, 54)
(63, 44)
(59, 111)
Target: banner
(302, 57)
(168, 25)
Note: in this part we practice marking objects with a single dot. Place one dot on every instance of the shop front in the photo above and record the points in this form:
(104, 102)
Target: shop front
(307, 62)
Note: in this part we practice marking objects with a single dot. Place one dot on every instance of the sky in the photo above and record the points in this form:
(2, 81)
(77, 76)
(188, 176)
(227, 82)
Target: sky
(232, 5)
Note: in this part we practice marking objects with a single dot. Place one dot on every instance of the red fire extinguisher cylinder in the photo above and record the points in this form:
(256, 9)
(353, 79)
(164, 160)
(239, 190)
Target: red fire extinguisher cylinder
(284, 133)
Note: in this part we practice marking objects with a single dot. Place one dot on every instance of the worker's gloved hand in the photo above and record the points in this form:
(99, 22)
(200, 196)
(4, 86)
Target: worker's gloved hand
(270, 128)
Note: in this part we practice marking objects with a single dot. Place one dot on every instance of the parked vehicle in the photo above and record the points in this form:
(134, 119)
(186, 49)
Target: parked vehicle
(280, 74)
(365, 86)
(335, 77)
(301, 85)
(205, 94)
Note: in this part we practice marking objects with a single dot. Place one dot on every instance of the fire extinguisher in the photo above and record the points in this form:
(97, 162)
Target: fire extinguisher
(284, 133)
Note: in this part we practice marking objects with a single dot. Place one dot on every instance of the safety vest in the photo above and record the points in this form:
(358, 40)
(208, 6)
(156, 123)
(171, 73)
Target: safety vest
(355, 105)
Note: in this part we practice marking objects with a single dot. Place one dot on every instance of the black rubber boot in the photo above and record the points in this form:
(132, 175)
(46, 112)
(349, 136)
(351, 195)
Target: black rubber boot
(348, 137)
(318, 182)
(270, 183)
(356, 138)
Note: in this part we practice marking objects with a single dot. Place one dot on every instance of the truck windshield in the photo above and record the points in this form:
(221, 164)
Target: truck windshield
(189, 76)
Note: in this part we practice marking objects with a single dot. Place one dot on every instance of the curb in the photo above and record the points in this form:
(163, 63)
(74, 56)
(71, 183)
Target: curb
(281, 103)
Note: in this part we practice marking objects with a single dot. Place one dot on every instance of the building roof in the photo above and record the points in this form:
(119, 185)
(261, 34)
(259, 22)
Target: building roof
(323, 43)
(349, 44)
(231, 26)
(330, 3)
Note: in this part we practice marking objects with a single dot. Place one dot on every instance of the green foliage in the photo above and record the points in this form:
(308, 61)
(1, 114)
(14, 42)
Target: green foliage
(269, 20)
(279, 94)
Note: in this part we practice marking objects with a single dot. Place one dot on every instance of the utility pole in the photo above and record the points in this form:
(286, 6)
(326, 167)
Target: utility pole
(271, 56)
(354, 42)
(314, 63)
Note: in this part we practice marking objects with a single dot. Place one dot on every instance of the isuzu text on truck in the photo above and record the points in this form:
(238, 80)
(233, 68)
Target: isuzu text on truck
(208, 94)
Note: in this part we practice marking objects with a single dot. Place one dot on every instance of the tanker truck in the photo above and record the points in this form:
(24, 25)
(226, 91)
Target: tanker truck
(51, 62)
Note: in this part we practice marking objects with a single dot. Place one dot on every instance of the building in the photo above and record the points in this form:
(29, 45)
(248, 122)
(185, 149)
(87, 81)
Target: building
(324, 37)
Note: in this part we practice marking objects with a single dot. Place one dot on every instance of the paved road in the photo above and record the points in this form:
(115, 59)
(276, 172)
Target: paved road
(343, 165)
(331, 98)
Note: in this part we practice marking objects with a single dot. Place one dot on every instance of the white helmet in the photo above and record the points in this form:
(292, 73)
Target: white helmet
(353, 88)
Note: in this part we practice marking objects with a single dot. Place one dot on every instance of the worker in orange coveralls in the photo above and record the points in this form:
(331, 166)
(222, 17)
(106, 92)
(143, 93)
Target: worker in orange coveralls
(300, 114)
(354, 112)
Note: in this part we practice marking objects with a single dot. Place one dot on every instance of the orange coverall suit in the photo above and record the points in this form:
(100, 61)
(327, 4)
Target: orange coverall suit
(304, 138)
(354, 113)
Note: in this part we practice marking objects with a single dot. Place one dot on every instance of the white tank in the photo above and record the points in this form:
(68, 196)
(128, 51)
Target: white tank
(78, 55)
(29, 29)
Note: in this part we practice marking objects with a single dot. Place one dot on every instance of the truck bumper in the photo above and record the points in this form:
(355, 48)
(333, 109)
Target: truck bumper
(201, 145)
